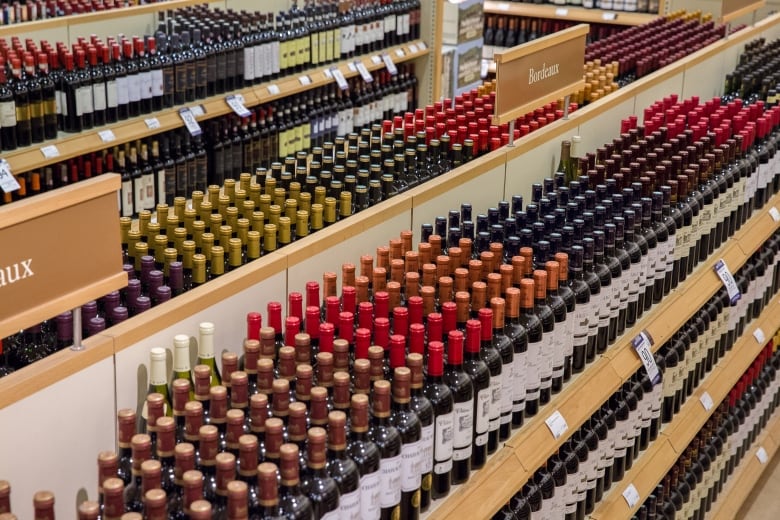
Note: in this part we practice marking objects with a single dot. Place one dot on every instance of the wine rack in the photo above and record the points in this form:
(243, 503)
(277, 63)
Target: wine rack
(571, 13)
(107, 374)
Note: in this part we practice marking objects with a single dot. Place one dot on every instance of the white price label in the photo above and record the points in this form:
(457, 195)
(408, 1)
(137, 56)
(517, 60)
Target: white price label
(273, 90)
(706, 401)
(391, 68)
(376, 60)
(483, 68)
(352, 67)
(759, 335)
(422, 46)
(631, 495)
(50, 151)
(341, 81)
(327, 73)
(106, 136)
(722, 270)
(762, 455)
(236, 103)
(503, 7)
(413, 48)
(197, 110)
(189, 121)
(609, 16)
(775, 213)
(304, 80)
(400, 53)
(557, 424)
(152, 123)
(561, 11)
(642, 344)
(367, 77)
(7, 180)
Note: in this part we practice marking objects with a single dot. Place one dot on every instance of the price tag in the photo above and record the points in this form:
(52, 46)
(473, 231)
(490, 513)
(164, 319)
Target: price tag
(775, 213)
(609, 16)
(400, 53)
(327, 73)
(631, 495)
(483, 68)
(376, 60)
(197, 110)
(305, 80)
(50, 151)
(422, 46)
(557, 424)
(413, 48)
(189, 121)
(341, 81)
(762, 455)
(7, 180)
(722, 270)
(352, 67)
(561, 11)
(367, 77)
(106, 136)
(759, 335)
(706, 401)
(389, 64)
(273, 90)
(642, 343)
(236, 102)
(152, 123)
(503, 7)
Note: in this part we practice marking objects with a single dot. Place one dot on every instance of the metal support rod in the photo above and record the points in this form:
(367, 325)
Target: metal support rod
(511, 142)
(77, 345)
(566, 106)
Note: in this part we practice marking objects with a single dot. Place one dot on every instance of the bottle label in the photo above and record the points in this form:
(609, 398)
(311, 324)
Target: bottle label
(426, 448)
(139, 190)
(127, 198)
(411, 453)
(534, 356)
(249, 63)
(390, 23)
(558, 348)
(390, 470)
(495, 401)
(122, 91)
(99, 96)
(8, 114)
(134, 88)
(157, 83)
(349, 506)
(146, 84)
(333, 515)
(507, 380)
(84, 100)
(444, 437)
(546, 359)
(464, 425)
(482, 418)
(370, 495)
(111, 94)
(520, 363)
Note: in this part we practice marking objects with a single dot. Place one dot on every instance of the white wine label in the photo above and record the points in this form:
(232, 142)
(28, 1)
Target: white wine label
(557, 424)
(390, 475)
(274, 90)
(51, 151)
(722, 270)
(340, 79)
(236, 103)
(631, 495)
(370, 490)
(152, 123)
(774, 213)
(706, 401)
(463, 429)
(410, 466)
(189, 121)
(361, 68)
(349, 506)
(759, 335)
(642, 343)
(391, 68)
(762, 455)
(426, 449)
(7, 180)
(106, 136)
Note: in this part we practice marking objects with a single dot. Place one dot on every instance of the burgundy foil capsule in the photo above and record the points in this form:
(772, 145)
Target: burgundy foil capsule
(327, 335)
(254, 321)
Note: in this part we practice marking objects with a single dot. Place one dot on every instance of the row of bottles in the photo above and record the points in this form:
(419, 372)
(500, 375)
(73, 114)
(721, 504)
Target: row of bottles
(634, 6)
(34, 10)
(605, 447)
(196, 53)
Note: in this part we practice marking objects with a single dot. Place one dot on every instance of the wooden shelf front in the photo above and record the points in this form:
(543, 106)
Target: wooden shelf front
(656, 461)
(73, 145)
(97, 16)
(569, 13)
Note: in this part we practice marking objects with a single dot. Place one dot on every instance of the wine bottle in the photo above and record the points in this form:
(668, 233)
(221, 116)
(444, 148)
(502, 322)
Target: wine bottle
(206, 351)
(292, 501)
(409, 427)
(388, 440)
(476, 368)
(462, 390)
(366, 456)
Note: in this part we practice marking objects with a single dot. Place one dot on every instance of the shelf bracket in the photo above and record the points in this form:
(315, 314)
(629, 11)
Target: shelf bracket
(77, 344)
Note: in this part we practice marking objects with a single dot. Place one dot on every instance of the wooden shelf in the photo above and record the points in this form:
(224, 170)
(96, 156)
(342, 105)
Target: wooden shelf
(581, 397)
(73, 145)
(656, 461)
(567, 12)
(97, 16)
(747, 474)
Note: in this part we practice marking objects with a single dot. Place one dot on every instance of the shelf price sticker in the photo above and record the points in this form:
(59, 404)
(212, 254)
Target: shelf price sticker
(341, 81)
(413, 48)
(8, 182)
(352, 67)
(762, 455)
(759, 335)
(561, 11)
(608, 16)
(107, 135)
(774, 213)
(376, 60)
(422, 46)
(304, 80)
(327, 73)
(642, 343)
(274, 90)
(197, 110)
(391, 68)
(190, 122)
(631, 495)
(50, 152)
(236, 102)
(557, 424)
(152, 123)
(400, 53)
(361, 68)
(706, 401)
(722, 270)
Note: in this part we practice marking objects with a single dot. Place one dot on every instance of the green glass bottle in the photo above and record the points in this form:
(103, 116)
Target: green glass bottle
(206, 351)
